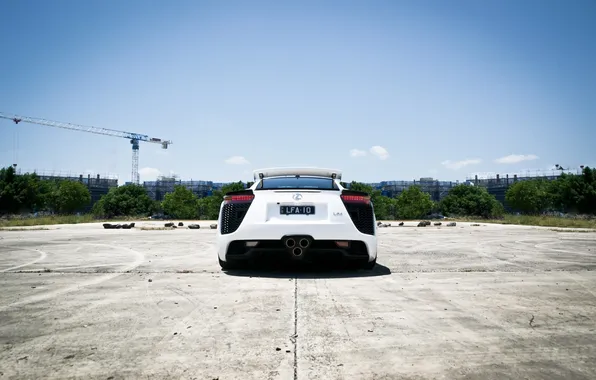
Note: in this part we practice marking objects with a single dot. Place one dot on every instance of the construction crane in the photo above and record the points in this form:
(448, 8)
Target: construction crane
(134, 138)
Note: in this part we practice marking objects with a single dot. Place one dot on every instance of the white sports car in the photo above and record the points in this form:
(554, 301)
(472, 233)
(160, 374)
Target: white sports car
(304, 213)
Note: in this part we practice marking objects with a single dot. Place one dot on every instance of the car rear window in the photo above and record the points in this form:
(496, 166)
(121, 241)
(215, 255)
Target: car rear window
(297, 183)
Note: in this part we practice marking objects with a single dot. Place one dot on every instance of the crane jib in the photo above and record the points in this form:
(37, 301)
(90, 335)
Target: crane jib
(133, 137)
(136, 136)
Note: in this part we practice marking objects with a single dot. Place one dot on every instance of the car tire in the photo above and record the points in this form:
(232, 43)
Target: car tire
(369, 264)
(227, 265)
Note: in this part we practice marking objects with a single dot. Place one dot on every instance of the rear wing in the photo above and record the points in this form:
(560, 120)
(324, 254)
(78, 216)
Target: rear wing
(300, 171)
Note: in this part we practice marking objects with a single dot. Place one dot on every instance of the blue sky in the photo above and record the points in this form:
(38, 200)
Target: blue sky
(384, 90)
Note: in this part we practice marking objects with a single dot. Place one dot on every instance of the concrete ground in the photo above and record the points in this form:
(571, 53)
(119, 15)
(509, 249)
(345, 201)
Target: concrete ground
(465, 302)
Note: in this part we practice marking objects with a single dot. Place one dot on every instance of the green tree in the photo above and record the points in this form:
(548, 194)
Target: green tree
(69, 197)
(127, 200)
(363, 187)
(19, 193)
(465, 200)
(234, 186)
(413, 203)
(529, 197)
(575, 193)
(181, 203)
(219, 194)
(383, 205)
(587, 202)
(209, 206)
(47, 193)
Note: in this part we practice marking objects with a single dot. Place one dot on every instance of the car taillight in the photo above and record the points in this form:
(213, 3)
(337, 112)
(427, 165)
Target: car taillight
(238, 198)
(355, 198)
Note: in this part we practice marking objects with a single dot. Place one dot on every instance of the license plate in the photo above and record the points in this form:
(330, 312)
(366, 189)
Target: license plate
(297, 210)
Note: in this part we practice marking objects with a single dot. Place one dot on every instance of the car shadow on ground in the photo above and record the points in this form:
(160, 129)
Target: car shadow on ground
(306, 271)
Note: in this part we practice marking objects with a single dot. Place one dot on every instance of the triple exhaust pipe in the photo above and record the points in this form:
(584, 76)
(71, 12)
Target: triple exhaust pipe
(297, 248)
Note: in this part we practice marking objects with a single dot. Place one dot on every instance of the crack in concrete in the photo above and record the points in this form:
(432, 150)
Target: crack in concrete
(295, 336)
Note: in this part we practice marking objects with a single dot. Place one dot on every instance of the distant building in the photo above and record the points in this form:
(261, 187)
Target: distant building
(435, 188)
(498, 184)
(164, 185)
(98, 186)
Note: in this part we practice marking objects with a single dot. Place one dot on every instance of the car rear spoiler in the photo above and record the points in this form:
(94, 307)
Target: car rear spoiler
(297, 171)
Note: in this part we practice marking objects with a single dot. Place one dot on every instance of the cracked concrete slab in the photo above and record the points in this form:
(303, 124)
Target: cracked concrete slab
(486, 302)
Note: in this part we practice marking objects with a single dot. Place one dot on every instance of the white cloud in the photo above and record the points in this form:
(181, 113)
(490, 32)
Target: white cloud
(149, 174)
(460, 164)
(237, 160)
(380, 152)
(357, 153)
(515, 158)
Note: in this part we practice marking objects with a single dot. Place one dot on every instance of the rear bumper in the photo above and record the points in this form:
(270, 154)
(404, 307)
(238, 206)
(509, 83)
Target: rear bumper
(319, 250)
(324, 236)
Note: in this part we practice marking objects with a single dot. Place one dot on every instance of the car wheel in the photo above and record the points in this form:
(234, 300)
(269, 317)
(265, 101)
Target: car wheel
(370, 264)
(226, 265)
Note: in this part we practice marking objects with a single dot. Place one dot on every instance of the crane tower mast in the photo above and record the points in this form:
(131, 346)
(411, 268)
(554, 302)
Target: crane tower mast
(134, 138)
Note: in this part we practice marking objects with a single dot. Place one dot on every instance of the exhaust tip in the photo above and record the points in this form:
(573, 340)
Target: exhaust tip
(304, 243)
(297, 251)
(290, 243)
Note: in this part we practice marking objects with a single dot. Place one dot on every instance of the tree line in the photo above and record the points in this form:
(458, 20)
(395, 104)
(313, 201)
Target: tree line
(413, 203)
(568, 193)
(182, 203)
(27, 193)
